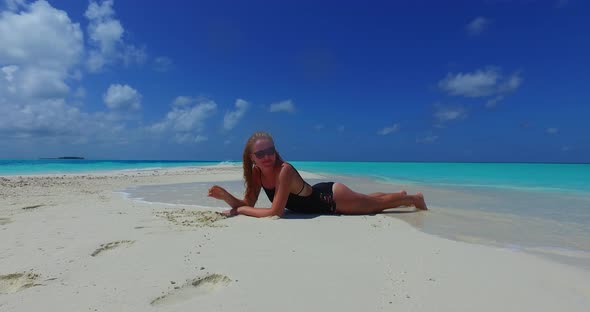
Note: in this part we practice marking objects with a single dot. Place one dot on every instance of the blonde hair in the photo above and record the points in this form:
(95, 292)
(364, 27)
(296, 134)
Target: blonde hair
(247, 162)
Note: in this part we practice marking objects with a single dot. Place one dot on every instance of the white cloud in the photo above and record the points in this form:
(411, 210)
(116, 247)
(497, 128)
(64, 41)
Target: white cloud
(477, 25)
(231, 119)
(193, 118)
(8, 71)
(54, 122)
(483, 82)
(283, 106)
(446, 113)
(479, 83)
(388, 130)
(95, 61)
(162, 64)
(132, 54)
(43, 83)
(40, 48)
(201, 138)
(552, 131)
(41, 56)
(106, 36)
(183, 100)
(184, 138)
(122, 97)
(100, 12)
(428, 139)
(46, 117)
(186, 119)
(8, 84)
(510, 84)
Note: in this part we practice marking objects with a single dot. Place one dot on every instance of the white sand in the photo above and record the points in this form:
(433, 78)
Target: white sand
(79, 246)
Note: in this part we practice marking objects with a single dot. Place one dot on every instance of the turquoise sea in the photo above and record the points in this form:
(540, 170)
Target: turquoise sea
(538, 208)
(542, 209)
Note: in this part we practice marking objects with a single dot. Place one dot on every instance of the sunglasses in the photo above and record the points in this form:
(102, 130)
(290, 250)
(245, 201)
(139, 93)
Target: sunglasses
(269, 151)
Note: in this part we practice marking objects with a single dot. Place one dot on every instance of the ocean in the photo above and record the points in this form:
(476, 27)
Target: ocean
(541, 209)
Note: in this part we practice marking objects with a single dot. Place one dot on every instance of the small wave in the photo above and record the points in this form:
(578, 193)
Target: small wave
(127, 195)
(142, 169)
(491, 185)
(228, 163)
(560, 251)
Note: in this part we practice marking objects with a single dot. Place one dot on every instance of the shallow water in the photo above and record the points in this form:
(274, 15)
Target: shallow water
(538, 208)
(495, 217)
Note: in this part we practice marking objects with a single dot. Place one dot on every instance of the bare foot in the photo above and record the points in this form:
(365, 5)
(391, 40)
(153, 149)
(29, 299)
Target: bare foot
(420, 203)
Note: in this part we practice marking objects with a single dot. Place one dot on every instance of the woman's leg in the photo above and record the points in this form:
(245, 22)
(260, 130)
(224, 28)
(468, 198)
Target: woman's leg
(381, 194)
(351, 202)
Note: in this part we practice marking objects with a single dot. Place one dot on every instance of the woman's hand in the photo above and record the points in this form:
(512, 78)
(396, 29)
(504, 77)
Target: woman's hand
(217, 192)
(231, 212)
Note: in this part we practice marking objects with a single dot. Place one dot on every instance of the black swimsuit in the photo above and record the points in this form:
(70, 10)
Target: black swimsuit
(321, 199)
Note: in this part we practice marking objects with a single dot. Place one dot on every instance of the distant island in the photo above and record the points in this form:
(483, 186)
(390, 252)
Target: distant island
(64, 157)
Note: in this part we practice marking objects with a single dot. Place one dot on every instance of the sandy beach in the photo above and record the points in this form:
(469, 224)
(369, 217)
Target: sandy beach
(75, 243)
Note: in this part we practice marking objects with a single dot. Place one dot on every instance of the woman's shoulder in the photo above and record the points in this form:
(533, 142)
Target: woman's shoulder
(288, 170)
(287, 166)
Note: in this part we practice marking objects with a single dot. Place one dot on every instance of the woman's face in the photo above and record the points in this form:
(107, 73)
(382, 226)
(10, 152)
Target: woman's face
(263, 153)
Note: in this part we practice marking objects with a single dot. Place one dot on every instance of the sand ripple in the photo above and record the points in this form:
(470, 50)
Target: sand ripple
(193, 218)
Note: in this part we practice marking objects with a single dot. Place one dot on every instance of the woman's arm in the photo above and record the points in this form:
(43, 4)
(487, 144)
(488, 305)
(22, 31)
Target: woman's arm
(255, 212)
(250, 198)
(220, 193)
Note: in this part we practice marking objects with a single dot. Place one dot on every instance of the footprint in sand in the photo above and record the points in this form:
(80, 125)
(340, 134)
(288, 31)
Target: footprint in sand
(32, 207)
(111, 245)
(192, 288)
(14, 282)
(192, 218)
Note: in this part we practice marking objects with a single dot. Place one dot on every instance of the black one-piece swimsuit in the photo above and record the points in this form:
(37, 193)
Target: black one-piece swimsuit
(321, 199)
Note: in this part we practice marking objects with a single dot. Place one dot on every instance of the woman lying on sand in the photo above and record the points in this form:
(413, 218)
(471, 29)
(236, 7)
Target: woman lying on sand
(285, 188)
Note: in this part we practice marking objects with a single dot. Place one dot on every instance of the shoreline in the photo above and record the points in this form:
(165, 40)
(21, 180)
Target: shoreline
(156, 257)
(448, 219)
(576, 257)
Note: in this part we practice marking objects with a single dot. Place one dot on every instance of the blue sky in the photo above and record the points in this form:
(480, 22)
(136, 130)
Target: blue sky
(493, 80)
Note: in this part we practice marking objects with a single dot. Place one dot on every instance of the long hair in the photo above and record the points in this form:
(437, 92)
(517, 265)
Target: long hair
(247, 162)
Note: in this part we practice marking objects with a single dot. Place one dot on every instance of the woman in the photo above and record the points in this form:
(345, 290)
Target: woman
(285, 188)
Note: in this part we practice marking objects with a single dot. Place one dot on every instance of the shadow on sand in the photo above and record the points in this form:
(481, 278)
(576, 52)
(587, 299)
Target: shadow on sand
(297, 216)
